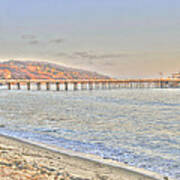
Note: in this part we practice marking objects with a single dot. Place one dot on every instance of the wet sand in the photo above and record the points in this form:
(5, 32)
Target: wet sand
(21, 160)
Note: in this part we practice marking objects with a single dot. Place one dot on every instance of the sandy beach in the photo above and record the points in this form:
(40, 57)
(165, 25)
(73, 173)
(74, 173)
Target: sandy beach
(21, 160)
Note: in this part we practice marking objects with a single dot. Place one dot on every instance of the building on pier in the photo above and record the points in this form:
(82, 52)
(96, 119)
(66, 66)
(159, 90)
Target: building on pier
(176, 75)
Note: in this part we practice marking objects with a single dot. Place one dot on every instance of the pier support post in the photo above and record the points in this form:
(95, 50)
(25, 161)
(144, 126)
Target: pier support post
(140, 84)
(66, 86)
(109, 85)
(75, 86)
(97, 85)
(136, 85)
(131, 85)
(28, 86)
(9, 86)
(18, 86)
(103, 85)
(38, 86)
(47, 86)
(114, 85)
(90, 85)
(160, 84)
(83, 86)
(57, 86)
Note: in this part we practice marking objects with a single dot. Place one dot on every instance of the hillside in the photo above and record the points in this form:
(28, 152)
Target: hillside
(43, 70)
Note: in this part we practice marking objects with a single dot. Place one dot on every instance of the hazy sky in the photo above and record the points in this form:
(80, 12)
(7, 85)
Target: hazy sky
(118, 37)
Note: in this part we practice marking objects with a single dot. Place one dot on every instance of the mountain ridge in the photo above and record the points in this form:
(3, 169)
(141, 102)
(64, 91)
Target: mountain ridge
(14, 69)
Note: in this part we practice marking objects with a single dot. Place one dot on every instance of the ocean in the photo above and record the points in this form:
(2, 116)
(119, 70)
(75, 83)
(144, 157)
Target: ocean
(140, 127)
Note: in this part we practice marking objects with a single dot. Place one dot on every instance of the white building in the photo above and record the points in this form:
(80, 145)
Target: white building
(176, 75)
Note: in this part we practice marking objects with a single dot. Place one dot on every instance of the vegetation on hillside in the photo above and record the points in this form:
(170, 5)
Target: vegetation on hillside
(42, 70)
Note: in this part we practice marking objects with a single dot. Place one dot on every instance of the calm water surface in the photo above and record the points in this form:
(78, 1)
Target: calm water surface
(137, 127)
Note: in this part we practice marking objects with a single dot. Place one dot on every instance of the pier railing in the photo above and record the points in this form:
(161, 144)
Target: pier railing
(90, 84)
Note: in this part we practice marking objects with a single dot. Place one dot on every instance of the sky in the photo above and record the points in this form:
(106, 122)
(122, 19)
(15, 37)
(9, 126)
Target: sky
(121, 38)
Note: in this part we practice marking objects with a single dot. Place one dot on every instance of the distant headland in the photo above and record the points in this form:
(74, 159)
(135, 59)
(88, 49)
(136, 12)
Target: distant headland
(13, 69)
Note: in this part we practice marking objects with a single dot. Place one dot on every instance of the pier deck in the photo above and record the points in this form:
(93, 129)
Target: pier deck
(91, 84)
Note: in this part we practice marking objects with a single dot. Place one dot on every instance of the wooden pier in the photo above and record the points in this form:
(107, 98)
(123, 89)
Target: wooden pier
(89, 84)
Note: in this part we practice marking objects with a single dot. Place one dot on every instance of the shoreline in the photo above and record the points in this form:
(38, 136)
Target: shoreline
(41, 161)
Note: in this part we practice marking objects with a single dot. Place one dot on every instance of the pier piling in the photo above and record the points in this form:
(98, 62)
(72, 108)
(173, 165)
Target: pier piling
(18, 86)
(38, 86)
(28, 86)
(9, 86)
(75, 86)
(90, 86)
(47, 86)
(66, 86)
(93, 84)
(57, 86)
